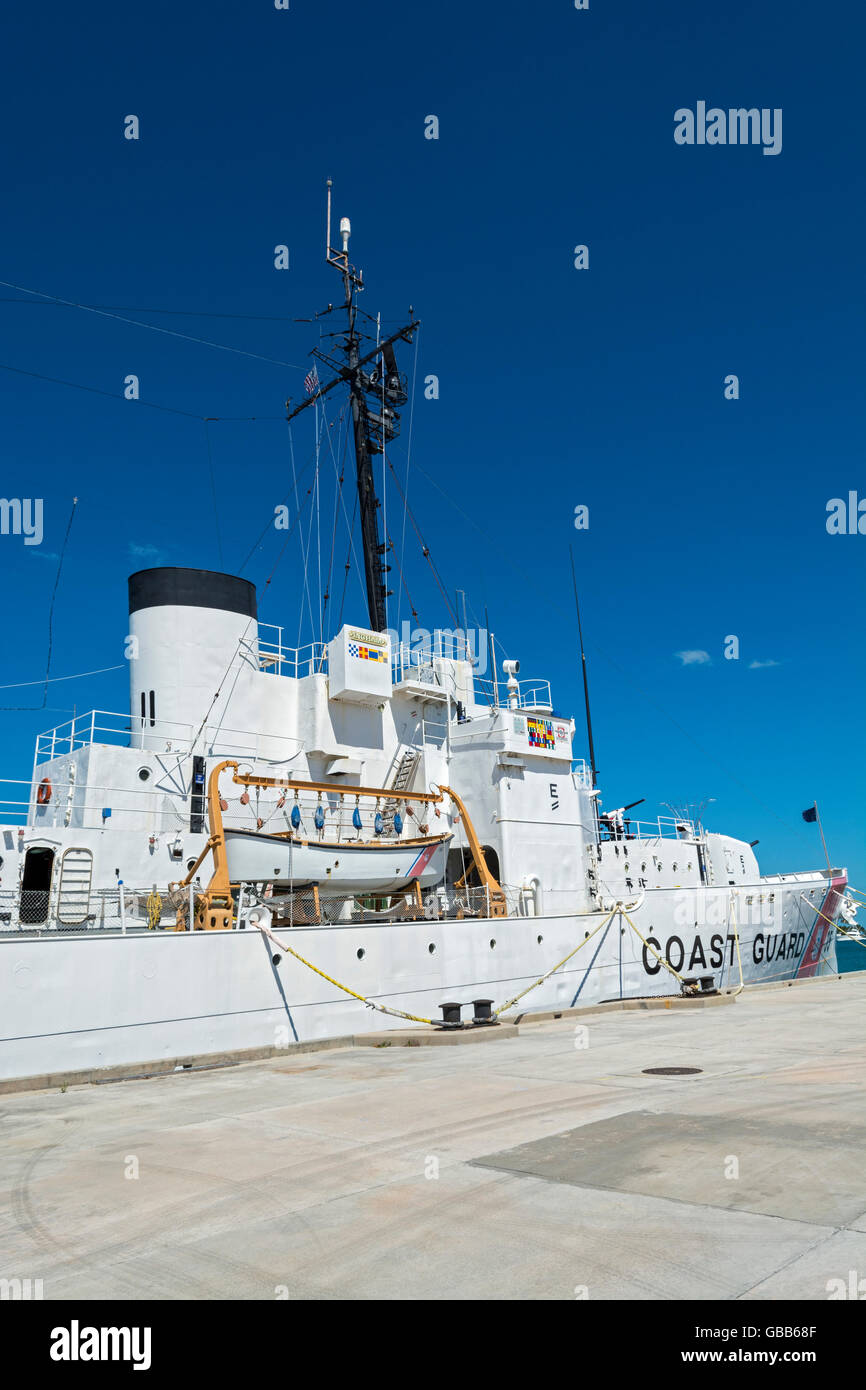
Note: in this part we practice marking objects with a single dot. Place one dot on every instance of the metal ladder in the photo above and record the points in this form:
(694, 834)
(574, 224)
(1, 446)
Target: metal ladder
(404, 774)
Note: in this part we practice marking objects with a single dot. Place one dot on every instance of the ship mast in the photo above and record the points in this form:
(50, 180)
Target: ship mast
(373, 396)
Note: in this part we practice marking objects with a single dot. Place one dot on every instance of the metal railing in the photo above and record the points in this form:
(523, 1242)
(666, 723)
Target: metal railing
(281, 660)
(663, 828)
(531, 695)
(108, 909)
(134, 911)
(581, 772)
(162, 736)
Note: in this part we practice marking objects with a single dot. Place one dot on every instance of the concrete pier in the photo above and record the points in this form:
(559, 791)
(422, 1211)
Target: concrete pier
(541, 1162)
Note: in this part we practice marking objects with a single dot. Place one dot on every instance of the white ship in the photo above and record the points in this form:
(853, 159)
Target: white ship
(411, 833)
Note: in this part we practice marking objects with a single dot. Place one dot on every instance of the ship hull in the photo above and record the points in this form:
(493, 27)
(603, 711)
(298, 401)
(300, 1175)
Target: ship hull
(77, 1003)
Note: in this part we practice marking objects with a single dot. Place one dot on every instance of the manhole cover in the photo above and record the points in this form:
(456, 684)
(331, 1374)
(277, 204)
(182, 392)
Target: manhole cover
(671, 1071)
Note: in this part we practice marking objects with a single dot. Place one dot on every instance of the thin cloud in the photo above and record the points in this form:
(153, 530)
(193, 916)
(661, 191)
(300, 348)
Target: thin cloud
(759, 665)
(145, 552)
(694, 658)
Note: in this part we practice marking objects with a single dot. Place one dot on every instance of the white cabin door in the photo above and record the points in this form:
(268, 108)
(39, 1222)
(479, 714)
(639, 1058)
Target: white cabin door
(73, 894)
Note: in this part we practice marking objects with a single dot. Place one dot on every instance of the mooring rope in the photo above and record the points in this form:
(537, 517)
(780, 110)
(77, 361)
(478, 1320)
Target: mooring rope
(503, 1008)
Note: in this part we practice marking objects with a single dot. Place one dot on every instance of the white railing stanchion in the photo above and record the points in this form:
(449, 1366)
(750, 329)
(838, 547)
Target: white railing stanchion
(121, 906)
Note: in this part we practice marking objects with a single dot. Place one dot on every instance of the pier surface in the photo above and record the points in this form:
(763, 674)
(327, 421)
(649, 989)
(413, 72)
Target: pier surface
(544, 1163)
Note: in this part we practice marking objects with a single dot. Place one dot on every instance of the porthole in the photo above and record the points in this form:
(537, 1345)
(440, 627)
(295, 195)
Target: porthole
(431, 948)
(360, 953)
(540, 939)
(144, 774)
(190, 864)
(492, 943)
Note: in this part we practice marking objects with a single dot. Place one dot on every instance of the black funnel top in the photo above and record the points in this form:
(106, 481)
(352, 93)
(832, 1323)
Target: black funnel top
(183, 588)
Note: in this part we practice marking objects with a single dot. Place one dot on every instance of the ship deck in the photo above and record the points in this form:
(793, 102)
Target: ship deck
(538, 1163)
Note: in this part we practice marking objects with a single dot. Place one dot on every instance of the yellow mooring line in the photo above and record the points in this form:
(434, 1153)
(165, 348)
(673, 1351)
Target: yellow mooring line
(382, 1008)
(416, 1018)
(832, 924)
(503, 1008)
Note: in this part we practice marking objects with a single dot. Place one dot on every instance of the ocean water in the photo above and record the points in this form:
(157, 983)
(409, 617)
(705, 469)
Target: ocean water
(850, 956)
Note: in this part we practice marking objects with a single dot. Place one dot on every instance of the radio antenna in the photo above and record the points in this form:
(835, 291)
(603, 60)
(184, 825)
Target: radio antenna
(585, 681)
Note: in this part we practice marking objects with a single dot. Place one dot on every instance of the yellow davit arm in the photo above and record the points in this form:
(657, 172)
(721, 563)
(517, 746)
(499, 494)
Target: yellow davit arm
(498, 905)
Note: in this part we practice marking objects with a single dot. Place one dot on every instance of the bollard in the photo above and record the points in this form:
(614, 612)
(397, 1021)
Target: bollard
(451, 1016)
(483, 1013)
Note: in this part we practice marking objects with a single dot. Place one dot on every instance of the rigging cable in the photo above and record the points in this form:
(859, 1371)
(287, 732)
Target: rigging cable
(33, 708)
(154, 328)
(216, 515)
(412, 607)
(338, 498)
(270, 520)
(53, 680)
(315, 459)
(408, 461)
(425, 549)
(348, 565)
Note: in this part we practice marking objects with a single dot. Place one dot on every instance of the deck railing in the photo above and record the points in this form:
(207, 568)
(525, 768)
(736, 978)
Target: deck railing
(162, 736)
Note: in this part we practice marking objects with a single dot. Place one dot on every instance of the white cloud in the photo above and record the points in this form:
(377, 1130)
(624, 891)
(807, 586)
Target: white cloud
(694, 658)
(759, 665)
(145, 552)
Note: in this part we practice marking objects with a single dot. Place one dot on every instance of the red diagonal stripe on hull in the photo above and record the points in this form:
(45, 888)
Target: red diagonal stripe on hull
(811, 958)
(422, 861)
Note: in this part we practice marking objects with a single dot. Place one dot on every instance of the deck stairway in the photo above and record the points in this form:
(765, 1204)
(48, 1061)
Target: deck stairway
(403, 777)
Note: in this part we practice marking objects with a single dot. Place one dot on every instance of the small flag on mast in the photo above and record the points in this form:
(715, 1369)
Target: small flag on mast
(311, 381)
(811, 814)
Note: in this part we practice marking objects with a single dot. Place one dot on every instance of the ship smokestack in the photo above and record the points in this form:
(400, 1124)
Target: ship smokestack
(186, 627)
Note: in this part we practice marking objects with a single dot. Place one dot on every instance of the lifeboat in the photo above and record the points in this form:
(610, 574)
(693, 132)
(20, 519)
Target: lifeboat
(351, 868)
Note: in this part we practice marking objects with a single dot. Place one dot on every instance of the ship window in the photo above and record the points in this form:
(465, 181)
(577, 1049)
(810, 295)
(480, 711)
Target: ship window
(540, 939)
(492, 943)
(432, 949)
(360, 953)
(143, 707)
(152, 709)
(144, 774)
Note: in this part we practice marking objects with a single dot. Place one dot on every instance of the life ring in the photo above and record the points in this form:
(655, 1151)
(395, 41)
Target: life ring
(43, 792)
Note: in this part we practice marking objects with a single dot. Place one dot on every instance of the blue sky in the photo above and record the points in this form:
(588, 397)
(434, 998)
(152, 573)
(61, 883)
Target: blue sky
(558, 387)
